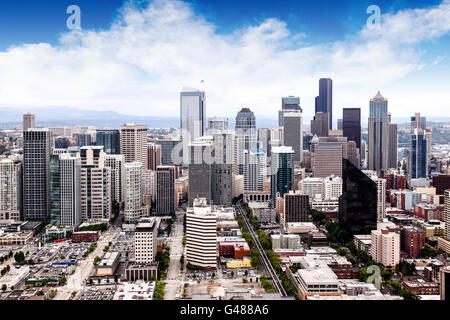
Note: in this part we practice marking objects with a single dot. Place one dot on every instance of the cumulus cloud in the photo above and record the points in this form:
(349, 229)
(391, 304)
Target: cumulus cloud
(139, 64)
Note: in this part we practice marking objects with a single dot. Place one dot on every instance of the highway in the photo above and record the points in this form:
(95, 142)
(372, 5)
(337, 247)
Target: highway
(278, 286)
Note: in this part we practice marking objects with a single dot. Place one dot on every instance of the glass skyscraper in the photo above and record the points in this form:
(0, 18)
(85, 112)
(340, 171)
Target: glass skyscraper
(324, 102)
(358, 203)
(246, 135)
(418, 157)
(351, 125)
(282, 172)
(109, 139)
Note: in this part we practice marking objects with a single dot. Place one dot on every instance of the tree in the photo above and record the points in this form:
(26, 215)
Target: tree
(19, 257)
(62, 280)
(4, 287)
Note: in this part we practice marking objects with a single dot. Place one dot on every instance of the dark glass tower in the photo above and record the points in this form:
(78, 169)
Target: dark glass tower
(352, 125)
(324, 102)
(109, 139)
(358, 203)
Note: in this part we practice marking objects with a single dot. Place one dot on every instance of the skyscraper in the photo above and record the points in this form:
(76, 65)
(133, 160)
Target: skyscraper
(296, 207)
(282, 172)
(37, 148)
(65, 189)
(446, 215)
(217, 124)
(28, 121)
(11, 189)
(351, 125)
(293, 133)
(246, 135)
(222, 169)
(418, 155)
(393, 146)
(255, 162)
(320, 124)
(165, 190)
(154, 156)
(109, 139)
(95, 184)
(193, 118)
(116, 162)
(288, 104)
(381, 146)
(134, 209)
(133, 143)
(200, 152)
(264, 140)
(358, 203)
(324, 102)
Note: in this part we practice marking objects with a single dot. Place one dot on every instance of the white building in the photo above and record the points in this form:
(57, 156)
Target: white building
(145, 247)
(133, 143)
(329, 188)
(70, 190)
(133, 191)
(116, 162)
(381, 193)
(385, 248)
(149, 184)
(201, 235)
(255, 162)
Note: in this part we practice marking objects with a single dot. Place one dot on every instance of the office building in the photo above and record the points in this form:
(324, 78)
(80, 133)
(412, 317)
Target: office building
(109, 139)
(201, 235)
(217, 124)
(10, 190)
(324, 102)
(328, 160)
(133, 143)
(288, 104)
(412, 241)
(96, 203)
(446, 216)
(154, 157)
(222, 169)
(282, 172)
(382, 136)
(385, 248)
(62, 143)
(293, 133)
(255, 162)
(264, 140)
(418, 155)
(165, 190)
(320, 124)
(340, 124)
(148, 186)
(200, 164)
(65, 190)
(351, 125)
(358, 203)
(145, 247)
(29, 121)
(116, 162)
(193, 118)
(169, 152)
(82, 139)
(37, 148)
(296, 207)
(444, 278)
(245, 135)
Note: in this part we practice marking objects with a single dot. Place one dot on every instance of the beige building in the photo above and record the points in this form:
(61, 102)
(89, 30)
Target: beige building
(10, 189)
(133, 143)
(385, 247)
(145, 247)
(116, 163)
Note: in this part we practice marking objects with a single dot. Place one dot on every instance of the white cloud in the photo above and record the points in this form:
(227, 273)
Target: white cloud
(139, 65)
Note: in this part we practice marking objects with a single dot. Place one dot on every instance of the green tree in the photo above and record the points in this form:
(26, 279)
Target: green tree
(4, 287)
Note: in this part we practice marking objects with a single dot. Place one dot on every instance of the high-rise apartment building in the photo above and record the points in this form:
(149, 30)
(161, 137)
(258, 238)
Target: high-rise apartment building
(446, 215)
(134, 207)
(201, 235)
(193, 118)
(37, 148)
(324, 102)
(29, 121)
(109, 139)
(116, 162)
(96, 201)
(165, 190)
(133, 143)
(65, 190)
(149, 186)
(418, 155)
(10, 190)
(385, 248)
(282, 172)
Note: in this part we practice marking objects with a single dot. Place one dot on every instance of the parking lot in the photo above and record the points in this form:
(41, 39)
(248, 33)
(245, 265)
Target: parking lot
(96, 294)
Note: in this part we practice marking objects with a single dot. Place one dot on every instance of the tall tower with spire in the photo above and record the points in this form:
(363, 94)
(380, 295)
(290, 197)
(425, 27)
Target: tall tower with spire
(381, 147)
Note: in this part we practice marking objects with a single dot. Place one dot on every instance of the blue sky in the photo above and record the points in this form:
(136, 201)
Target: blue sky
(135, 58)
